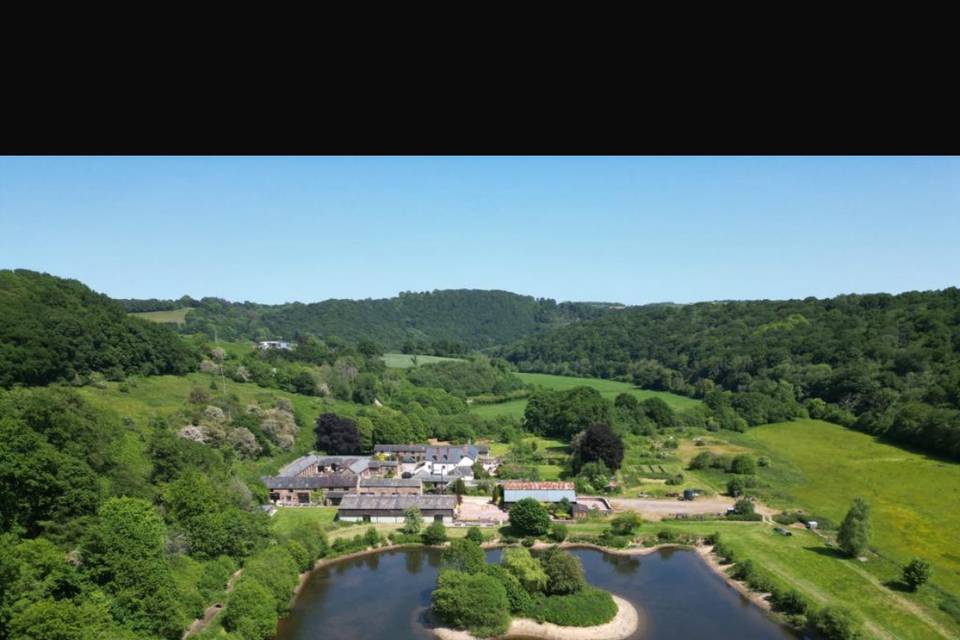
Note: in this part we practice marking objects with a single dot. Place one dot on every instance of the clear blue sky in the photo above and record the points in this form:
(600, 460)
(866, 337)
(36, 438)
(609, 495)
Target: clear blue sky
(634, 230)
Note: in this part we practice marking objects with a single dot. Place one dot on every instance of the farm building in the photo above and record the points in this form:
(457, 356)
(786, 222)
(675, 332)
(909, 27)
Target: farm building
(264, 345)
(444, 453)
(515, 491)
(435, 476)
(309, 490)
(389, 509)
(316, 465)
(390, 486)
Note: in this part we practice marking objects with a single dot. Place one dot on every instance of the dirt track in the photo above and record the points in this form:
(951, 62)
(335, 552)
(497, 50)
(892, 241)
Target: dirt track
(652, 509)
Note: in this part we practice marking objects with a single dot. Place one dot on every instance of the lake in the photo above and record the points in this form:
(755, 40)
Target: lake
(382, 596)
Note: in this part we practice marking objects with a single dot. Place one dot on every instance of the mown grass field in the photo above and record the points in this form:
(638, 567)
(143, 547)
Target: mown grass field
(609, 389)
(915, 499)
(177, 315)
(405, 360)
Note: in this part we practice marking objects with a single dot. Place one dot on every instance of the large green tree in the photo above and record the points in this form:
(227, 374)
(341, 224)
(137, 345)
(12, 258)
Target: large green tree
(124, 552)
(529, 518)
(854, 533)
(561, 414)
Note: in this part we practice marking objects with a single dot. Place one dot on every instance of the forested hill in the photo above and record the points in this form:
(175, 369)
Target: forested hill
(472, 318)
(52, 329)
(886, 364)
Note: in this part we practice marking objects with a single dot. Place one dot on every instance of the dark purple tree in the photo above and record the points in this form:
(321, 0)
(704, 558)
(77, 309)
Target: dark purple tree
(337, 435)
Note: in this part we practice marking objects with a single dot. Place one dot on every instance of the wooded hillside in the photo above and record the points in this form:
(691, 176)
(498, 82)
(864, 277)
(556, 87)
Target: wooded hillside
(885, 364)
(470, 318)
(52, 329)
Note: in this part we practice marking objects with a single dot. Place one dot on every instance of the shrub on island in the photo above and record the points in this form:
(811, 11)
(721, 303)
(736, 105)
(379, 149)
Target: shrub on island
(475, 602)
(550, 588)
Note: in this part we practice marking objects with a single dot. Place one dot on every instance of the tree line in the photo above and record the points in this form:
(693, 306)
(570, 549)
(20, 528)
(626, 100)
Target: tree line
(447, 322)
(884, 364)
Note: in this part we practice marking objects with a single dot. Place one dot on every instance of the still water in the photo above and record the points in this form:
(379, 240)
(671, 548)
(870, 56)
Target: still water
(382, 596)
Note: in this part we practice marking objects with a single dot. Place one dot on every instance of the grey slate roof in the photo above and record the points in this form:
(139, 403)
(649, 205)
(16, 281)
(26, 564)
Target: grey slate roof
(452, 453)
(353, 502)
(446, 476)
(310, 482)
(298, 466)
(404, 448)
(390, 482)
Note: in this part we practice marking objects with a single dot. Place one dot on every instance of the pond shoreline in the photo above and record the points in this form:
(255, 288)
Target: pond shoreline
(532, 629)
(622, 626)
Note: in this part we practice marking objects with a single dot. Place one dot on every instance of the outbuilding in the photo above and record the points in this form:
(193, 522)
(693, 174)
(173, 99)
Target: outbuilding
(514, 491)
(390, 509)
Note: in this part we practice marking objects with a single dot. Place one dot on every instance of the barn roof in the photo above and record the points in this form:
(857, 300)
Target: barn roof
(298, 466)
(310, 482)
(355, 502)
(390, 482)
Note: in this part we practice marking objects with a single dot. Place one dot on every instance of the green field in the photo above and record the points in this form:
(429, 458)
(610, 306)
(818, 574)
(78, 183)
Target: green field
(609, 389)
(405, 360)
(177, 315)
(915, 498)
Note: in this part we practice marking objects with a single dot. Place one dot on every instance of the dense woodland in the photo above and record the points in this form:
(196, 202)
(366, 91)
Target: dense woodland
(888, 365)
(439, 322)
(53, 330)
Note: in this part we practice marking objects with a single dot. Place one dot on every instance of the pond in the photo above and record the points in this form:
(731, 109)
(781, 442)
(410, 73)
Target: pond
(382, 596)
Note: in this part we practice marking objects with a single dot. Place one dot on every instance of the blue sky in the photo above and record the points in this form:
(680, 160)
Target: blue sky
(634, 230)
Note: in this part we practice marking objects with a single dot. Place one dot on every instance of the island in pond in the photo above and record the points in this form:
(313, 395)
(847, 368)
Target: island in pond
(544, 596)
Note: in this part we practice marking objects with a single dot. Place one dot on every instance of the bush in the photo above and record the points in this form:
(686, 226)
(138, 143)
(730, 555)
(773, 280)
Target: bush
(251, 610)
(610, 539)
(674, 480)
(435, 534)
(520, 601)
(788, 517)
(463, 555)
(735, 487)
(274, 569)
(412, 520)
(854, 533)
(586, 608)
(558, 532)
(371, 538)
(916, 573)
(666, 535)
(476, 602)
(564, 571)
(299, 555)
(703, 460)
(625, 524)
(743, 507)
(790, 602)
(529, 517)
(474, 534)
(525, 567)
(743, 465)
(837, 623)
(528, 542)
(214, 578)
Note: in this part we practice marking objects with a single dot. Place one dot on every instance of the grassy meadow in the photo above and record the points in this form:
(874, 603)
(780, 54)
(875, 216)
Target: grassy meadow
(609, 389)
(915, 499)
(405, 360)
(177, 315)
(165, 396)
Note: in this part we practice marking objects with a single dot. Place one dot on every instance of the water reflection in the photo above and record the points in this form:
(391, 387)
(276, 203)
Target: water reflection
(382, 596)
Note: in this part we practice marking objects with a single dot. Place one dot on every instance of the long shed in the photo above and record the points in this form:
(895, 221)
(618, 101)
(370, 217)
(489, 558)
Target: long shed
(389, 509)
